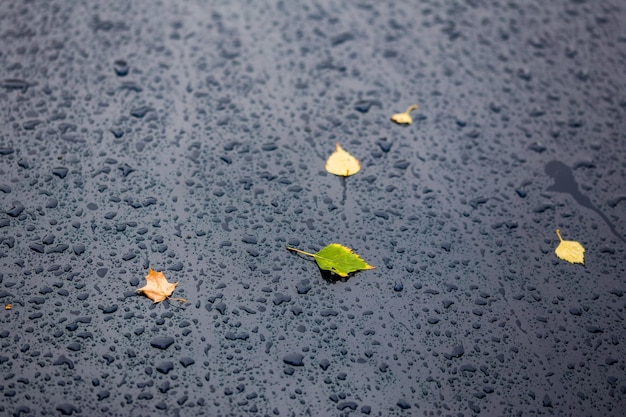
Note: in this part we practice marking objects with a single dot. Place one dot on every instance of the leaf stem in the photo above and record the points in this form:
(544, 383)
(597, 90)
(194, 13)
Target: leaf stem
(558, 233)
(300, 251)
(411, 108)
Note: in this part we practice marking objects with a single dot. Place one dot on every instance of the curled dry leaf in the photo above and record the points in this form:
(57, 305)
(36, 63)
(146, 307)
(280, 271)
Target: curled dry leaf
(570, 250)
(342, 163)
(404, 118)
(157, 288)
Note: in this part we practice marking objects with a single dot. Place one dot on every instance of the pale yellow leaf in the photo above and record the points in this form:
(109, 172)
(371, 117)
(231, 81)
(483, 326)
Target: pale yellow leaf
(342, 163)
(404, 118)
(570, 250)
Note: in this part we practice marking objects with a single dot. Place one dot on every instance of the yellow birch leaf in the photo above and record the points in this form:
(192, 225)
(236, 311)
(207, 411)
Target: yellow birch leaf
(157, 288)
(570, 250)
(342, 163)
(404, 118)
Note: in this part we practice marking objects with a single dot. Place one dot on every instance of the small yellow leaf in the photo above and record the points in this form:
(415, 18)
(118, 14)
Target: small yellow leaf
(404, 118)
(342, 163)
(157, 288)
(570, 250)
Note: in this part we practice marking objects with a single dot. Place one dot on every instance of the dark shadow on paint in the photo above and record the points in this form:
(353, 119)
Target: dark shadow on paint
(331, 277)
(564, 182)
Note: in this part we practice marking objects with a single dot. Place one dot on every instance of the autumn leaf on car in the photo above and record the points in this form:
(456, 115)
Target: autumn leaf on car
(341, 163)
(570, 250)
(338, 259)
(157, 288)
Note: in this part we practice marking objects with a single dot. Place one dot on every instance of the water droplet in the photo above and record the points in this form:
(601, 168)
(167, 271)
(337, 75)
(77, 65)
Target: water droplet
(162, 342)
(294, 359)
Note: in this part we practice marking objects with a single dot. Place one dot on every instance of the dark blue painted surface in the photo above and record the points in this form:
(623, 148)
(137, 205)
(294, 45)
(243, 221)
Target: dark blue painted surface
(192, 138)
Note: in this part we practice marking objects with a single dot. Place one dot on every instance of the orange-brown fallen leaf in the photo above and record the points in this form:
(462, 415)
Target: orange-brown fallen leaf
(157, 288)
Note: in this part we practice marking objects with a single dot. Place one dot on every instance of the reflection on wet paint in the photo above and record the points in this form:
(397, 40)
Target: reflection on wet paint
(564, 182)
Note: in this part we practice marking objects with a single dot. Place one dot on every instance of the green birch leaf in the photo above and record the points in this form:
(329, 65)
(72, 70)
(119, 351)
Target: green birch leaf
(338, 259)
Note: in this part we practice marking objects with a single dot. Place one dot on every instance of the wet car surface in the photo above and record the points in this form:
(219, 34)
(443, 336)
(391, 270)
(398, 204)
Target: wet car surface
(191, 138)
